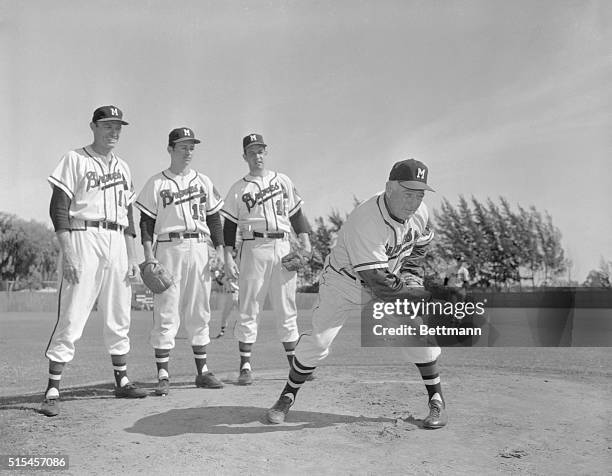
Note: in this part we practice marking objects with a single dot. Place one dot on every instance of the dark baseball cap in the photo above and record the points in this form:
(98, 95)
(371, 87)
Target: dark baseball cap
(412, 174)
(107, 114)
(253, 139)
(181, 134)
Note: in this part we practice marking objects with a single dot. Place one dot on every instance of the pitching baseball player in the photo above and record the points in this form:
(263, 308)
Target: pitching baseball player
(181, 206)
(91, 210)
(263, 206)
(371, 246)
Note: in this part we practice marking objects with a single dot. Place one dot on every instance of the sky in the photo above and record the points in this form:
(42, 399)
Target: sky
(498, 98)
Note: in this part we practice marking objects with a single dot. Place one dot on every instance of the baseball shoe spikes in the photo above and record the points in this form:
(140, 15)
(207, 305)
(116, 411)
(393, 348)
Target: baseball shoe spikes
(208, 380)
(50, 407)
(279, 410)
(163, 387)
(129, 390)
(245, 377)
(437, 417)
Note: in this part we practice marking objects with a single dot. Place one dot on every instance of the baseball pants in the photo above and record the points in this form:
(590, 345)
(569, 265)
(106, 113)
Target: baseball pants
(340, 298)
(103, 274)
(188, 298)
(261, 272)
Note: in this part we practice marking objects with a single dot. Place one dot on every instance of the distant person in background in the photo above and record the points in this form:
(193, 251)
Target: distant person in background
(458, 276)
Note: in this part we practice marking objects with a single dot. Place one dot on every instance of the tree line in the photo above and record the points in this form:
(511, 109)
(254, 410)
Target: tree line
(501, 245)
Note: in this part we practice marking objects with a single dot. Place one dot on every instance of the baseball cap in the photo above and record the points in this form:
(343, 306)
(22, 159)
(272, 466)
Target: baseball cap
(181, 134)
(252, 139)
(412, 174)
(108, 113)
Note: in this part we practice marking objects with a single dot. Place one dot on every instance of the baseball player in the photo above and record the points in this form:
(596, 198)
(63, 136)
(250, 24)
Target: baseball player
(263, 206)
(371, 246)
(91, 210)
(181, 206)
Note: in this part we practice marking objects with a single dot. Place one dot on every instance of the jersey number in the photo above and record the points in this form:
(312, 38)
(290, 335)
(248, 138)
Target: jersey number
(198, 211)
(120, 201)
(280, 207)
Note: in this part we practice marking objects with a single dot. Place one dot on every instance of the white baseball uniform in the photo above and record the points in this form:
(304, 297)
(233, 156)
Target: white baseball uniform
(179, 204)
(369, 239)
(99, 193)
(261, 207)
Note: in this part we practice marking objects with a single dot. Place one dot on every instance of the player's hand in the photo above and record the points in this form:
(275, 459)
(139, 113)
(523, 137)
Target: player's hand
(231, 268)
(71, 268)
(133, 271)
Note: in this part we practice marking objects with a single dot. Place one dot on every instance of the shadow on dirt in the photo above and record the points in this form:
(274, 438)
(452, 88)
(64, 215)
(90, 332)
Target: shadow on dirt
(230, 420)
(98, 391)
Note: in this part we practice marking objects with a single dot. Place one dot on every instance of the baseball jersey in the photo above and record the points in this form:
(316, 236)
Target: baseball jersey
(370, 238)
(179, 203)
(97, 191)
(262, 203)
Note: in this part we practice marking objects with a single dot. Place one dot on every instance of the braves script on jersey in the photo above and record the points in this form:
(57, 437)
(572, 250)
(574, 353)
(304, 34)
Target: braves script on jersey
(372, 239)
(179, 203)
(262, 203)
(97, 191)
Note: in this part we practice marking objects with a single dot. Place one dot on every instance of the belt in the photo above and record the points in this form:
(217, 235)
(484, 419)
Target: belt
(269, 234)
(344, 272)
(103, 224)
(173, 235)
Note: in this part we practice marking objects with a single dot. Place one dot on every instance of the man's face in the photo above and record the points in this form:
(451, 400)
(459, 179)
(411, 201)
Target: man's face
(254, 156)
(402, 201)
(182, 153)
(106, 133)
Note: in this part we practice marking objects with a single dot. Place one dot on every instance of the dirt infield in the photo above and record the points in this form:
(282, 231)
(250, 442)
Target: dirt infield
(525, 411)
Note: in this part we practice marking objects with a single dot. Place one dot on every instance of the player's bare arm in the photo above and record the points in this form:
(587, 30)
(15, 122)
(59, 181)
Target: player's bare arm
(70, 261)
(130, 244)
(305, 242)
(231, 268)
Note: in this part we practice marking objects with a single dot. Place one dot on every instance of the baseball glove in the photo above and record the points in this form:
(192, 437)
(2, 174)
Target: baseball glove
(412, 280)
(296, 259)
(155, 276)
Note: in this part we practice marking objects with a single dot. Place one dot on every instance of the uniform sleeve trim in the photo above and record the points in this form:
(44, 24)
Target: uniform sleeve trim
(62, 186)
(216, 209)
(144, 209)
(229, 216)
(294, 210)
(371, 265)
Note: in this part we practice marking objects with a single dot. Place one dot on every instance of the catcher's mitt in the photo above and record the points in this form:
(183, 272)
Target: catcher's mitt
(155, 276)
(296, 259)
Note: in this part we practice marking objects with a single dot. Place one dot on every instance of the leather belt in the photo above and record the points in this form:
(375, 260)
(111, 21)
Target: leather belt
(103, 224)
(175, 235)
(269, 234)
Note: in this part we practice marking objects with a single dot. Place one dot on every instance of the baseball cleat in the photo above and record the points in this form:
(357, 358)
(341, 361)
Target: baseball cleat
(245, 377)
(208, 380)
(163, 387)
(129, 390)
(50, 407)
(279, 411)
(437, 417)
